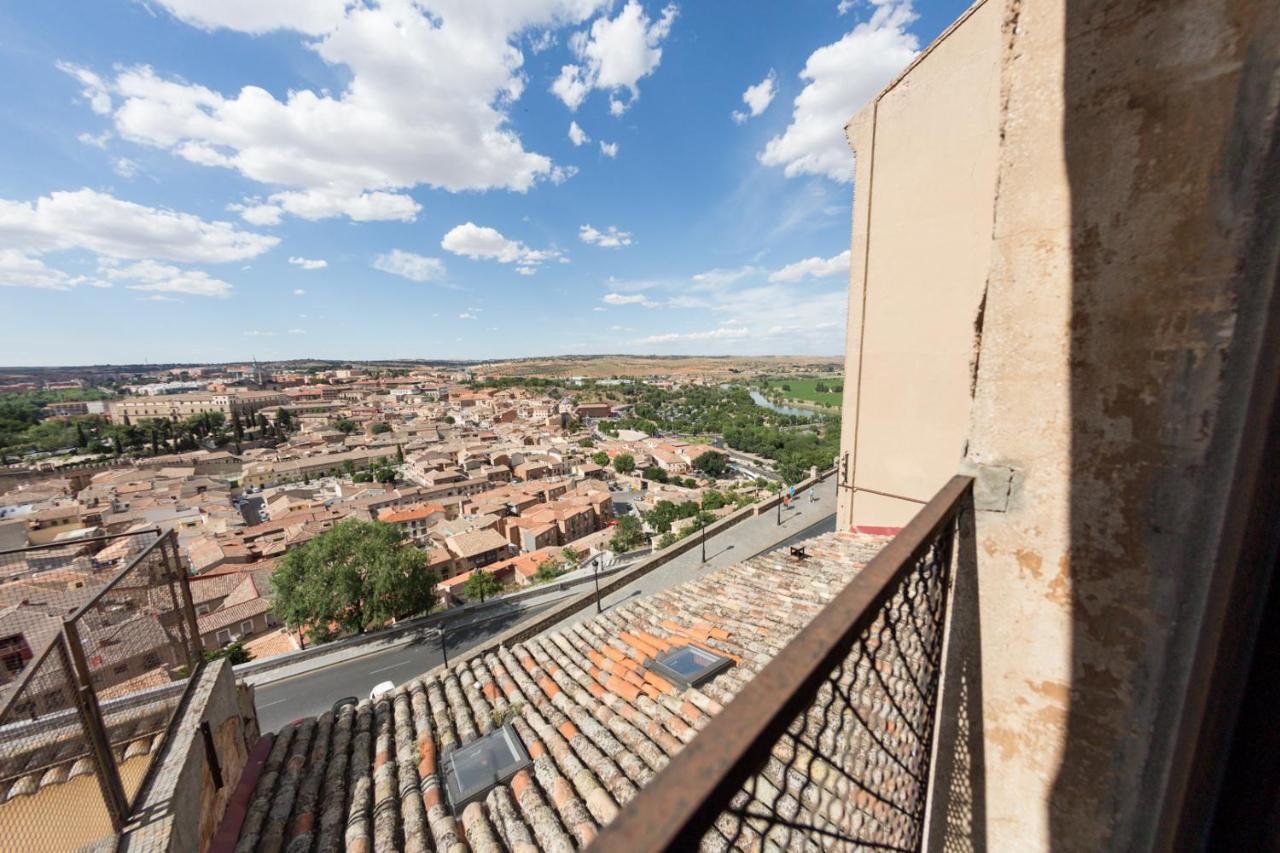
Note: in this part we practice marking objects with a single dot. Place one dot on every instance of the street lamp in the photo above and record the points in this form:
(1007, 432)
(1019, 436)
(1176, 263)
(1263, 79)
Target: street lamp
(779, 508)
(704, 539)
(444, 645)
(595, 573)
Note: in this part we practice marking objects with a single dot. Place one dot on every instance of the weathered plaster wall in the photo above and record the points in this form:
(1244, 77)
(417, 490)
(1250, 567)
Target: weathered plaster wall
(1116, 343)
(926, 155)
(181, 805)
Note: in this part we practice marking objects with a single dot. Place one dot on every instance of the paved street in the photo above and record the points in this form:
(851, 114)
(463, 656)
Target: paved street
(750, 537)
(400, 659)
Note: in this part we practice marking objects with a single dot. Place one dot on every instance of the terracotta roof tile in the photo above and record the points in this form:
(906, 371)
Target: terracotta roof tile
(597, 725)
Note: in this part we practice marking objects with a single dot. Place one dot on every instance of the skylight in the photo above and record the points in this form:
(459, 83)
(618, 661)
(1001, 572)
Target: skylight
(689, 666)
(469, 772)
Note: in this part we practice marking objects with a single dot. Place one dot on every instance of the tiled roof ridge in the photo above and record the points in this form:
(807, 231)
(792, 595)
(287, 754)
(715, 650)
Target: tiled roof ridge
(596, 723)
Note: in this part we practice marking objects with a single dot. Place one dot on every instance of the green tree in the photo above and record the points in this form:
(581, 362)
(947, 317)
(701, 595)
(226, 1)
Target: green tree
(600, 458)
(712, 499)
(712, 464)
(624, 463)
(481, 585)
(379, 427)
(548, 570)
(586, 442)
(82, 440)
(235, 653)
(284, 419)
(627, 535)
(656, 474)
(572, 556)
(346, 426)
(357, 575)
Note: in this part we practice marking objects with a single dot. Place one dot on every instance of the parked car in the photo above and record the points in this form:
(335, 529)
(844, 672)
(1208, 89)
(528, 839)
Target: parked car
(345, 701)
(381, 689)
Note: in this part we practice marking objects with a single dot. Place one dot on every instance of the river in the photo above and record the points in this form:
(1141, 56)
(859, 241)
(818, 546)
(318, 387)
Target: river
(760, 400)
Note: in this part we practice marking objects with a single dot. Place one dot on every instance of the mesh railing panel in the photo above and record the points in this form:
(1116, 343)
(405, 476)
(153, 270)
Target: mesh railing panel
(137, 646)
(852, 771)
(50, 790)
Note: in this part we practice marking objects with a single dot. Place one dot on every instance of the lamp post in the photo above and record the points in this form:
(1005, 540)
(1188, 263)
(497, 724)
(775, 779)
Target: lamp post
(704, 538)
(444, 645)
(595, 573)
(779, 509)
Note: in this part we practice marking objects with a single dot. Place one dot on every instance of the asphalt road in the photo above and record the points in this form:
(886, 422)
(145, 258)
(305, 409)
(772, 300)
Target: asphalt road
(315, 690)
(312, 692)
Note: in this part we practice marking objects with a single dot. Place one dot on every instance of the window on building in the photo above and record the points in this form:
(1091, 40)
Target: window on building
(246, 627)
(689, 666)
(151, 661)
(223, 637)
(470, 772)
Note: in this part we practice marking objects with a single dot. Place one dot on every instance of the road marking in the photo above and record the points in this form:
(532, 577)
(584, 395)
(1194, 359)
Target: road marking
(269, 704)
(393, 666)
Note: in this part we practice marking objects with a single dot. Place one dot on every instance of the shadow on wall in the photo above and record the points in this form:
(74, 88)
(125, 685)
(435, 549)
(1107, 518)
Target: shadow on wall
(1165, 118)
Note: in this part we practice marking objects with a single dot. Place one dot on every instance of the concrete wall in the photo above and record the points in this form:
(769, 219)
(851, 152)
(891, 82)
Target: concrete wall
(926, 153)
(1128, 257)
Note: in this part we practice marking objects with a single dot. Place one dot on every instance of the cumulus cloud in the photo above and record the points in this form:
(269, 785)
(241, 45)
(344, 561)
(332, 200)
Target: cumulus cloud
(155, 277)
(408, 265)
(106, 225)
(124, 167)
(813, 268)
(467, 315)
(613, 56)
(577, 135)
(842, 76)
(758, 97)
(308, 263)
(722, 333)
(484, 243)
(610, 238)
(427, 102)
(116, 230)
(298, 291)
(609, 149)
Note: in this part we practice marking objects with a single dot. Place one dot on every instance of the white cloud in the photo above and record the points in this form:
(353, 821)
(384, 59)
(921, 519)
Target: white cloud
(105, 225)
(842, 76)
(577, 135)
(466, 315)
(610, 238)
(410, 266)
(483, 243)
(526, 270)
(614, 55)
(98, 141)
(124, 167)
(297, 331)
(722, 333)
(844, 6)
(254, 333)
(298, 291)
(308, 263)
(313, 17)
(600, 309)
(813, 268)
(758, 97)
(116, 230)
(629, 299)
(427, 103)
(162, 278)
(719, 278)
(157, 297)
(609, 149)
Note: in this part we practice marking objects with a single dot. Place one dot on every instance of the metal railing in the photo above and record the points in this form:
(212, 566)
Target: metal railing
(89, 710)
(830, 746)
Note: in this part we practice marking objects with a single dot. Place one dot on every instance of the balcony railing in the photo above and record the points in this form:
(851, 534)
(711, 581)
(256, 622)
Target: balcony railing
(831, 744)
(89, 709)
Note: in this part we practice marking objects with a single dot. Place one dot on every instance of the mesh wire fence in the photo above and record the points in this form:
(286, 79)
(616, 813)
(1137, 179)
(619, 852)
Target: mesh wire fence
(851, 772)
(99, 643)
(50, 786)
(137, 645)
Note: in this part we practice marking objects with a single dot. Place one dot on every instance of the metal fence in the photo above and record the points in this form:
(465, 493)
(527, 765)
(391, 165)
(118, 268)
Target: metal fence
(830, 746)
(91, 704)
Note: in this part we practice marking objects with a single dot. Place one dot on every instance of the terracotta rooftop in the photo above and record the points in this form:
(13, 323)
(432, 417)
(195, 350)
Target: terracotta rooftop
(595, 722)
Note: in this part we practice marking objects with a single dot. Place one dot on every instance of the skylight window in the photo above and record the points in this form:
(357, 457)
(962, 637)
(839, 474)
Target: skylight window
(689, 666)
(469, 772)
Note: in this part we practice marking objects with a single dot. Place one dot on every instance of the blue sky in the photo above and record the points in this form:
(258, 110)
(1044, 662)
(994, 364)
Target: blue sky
(184, 180)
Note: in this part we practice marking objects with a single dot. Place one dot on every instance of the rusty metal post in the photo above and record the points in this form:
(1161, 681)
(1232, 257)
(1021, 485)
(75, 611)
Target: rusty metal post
(113, 794)
(196, 649)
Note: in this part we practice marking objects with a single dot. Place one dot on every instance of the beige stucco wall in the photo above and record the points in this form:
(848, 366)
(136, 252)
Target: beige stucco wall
(926, 155)
(1118, 247)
